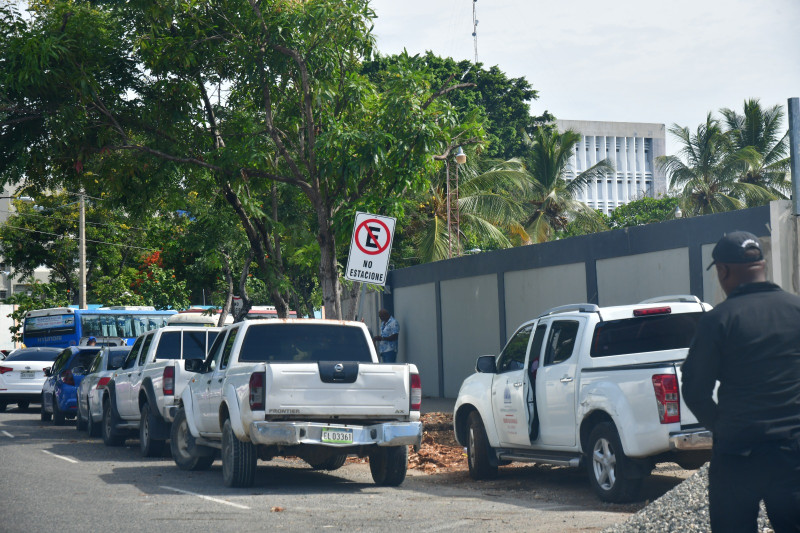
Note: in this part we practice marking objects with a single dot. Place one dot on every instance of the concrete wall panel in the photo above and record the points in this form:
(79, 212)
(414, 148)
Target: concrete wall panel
(415, 311)
(531, 292)
(470, 326)
(630, 279)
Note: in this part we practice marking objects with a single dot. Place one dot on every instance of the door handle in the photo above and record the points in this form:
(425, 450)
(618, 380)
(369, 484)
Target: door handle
(220, 380)
(209, 381)
(518, 384)
(566, 379)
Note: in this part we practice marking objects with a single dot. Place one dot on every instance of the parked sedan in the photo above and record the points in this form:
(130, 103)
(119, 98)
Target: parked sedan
(59, 392)
(90, 391)
(22, 375)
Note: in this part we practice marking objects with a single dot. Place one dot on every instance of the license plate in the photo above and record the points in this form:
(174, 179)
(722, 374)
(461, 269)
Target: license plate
(27, 375)
(337, 436)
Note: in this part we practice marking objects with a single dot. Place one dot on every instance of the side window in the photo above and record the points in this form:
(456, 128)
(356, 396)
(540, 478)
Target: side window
(513, 356)
(563, 334)
(96, 363)
(214, 353)
(148, 340)
(226, 351)
(536, 350)
(130, 360)
(60, 361)
(169, 345)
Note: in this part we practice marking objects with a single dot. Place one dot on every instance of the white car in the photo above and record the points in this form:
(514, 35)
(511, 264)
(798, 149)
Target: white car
(90, 391)
(22, 375)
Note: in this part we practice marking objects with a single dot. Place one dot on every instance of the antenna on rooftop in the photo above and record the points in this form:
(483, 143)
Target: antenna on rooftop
(475, 28)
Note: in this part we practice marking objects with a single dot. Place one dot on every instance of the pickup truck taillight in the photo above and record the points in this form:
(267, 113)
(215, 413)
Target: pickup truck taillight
(416, 392)
(102, 383)
(169, 380)
(257, 380)
(669, 404)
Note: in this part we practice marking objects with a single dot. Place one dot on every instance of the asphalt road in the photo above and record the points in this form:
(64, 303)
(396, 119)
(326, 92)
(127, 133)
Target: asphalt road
(59, 479)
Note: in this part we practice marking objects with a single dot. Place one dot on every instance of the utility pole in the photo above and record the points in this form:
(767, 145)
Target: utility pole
(82, 251)
(794, 168)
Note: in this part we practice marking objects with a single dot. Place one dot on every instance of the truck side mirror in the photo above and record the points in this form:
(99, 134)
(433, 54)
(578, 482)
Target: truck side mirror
(47, 371)
(486, 365)
(193, 365)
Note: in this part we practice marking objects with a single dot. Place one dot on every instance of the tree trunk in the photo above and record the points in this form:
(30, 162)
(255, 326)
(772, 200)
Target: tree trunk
(328, 273)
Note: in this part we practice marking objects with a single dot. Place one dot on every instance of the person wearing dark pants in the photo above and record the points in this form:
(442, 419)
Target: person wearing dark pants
(750, 344)
(387, 340)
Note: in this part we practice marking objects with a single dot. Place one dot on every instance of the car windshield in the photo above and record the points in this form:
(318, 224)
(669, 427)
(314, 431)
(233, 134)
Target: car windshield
(83, 359)
(34, 355)
(305, 343)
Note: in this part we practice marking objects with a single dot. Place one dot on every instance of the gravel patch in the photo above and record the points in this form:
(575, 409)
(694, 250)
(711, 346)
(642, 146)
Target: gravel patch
(684, 508)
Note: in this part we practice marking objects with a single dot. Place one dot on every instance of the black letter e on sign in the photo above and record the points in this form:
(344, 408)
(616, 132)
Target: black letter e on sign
(373, 232)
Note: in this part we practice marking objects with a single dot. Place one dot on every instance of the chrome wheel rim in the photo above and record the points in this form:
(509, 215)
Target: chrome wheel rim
(604, 463)
(183, 445)
(471, 448)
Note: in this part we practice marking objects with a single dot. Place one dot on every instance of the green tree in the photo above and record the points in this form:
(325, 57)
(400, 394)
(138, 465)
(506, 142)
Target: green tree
(550, 198)
(706, 174)
(758, 146)
(643, 211)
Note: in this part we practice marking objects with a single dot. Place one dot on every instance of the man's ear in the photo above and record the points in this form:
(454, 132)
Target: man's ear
(723, 271)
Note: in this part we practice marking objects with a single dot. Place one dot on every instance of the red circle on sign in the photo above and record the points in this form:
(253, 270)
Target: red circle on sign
(380, 249)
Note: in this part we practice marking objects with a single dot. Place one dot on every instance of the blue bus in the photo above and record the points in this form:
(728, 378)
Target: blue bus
(65, 326)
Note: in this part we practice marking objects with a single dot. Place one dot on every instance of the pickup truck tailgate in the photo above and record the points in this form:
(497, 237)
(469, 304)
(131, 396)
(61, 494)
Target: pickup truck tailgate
(371, 390)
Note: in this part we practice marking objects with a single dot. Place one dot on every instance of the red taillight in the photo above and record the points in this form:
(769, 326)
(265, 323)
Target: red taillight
(652, 311)
(4, 369)
(669, 404)
(169, 380)
(102, 383)
(66, 377)
(257, 380)
(416, 392)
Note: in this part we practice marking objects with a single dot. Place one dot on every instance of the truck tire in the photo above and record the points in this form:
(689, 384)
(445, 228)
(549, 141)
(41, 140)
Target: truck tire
(58, 415)
(478, 449)
(331, 463)
(92, 427)
(80, 422)
(111, 435)
(389, 465)
(45, 415)
(181, 444)
(238, 459)
(149, 446)
(613, 476)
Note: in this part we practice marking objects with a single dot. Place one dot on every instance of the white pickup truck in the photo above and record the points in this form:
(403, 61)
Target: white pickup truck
(587, 385)
(307, 388)
(143, 390)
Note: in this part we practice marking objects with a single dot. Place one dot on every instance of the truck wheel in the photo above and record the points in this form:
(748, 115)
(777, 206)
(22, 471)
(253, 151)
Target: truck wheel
(331, 463)
(111, 436)
(3, 406)
(23, 406)
(80, 423)
(238, 459)
(613, 477)
(58, 415)
(149, 446)
(180, 443)
(389, 465)
(45, 415)
(92, 427)
(478, 449)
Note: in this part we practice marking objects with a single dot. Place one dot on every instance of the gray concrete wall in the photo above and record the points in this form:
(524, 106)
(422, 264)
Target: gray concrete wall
(453, 311)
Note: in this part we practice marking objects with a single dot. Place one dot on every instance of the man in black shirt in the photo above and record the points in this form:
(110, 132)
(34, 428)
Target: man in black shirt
(750, 344)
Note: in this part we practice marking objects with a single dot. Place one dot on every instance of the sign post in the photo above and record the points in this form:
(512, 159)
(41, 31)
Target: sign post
(370, 249)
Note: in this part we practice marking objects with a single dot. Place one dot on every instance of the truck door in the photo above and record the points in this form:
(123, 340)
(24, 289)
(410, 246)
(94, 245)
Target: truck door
(136, 377)
(209, 386)
(122, 379)
(509, 390)
(556, 383)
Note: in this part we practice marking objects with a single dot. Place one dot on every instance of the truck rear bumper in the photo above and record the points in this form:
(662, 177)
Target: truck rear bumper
(690, 440)
(293, 433)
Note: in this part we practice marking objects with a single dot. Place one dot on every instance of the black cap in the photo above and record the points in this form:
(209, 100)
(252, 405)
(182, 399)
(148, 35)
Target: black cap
(733, 248)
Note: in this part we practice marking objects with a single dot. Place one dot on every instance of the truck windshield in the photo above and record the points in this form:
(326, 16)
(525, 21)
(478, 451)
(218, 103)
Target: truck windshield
(644, 334)
(304, 343)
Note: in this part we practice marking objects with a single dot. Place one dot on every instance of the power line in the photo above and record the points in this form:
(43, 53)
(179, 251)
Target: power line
(60, 236)
(118, 226)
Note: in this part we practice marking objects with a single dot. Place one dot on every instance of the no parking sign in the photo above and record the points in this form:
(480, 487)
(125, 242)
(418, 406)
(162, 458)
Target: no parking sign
(370, 249)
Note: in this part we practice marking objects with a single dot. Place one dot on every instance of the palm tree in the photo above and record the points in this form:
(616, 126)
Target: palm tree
(549, 197)
(708, 176)
(758, 146)
(485, 205)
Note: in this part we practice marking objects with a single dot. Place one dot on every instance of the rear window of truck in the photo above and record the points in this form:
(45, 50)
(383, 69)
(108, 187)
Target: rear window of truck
(644, 334)
(304, 343)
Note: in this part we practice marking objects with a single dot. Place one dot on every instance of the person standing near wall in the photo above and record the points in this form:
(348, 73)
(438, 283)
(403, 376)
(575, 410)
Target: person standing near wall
(387, 340)
(750, 344)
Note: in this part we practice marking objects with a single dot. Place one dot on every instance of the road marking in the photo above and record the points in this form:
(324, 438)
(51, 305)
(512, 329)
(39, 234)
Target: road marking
(209, 498)
(7, 434)
(61, 457)
(452, 525)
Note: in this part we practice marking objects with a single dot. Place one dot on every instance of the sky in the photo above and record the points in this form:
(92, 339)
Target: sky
(619, 60)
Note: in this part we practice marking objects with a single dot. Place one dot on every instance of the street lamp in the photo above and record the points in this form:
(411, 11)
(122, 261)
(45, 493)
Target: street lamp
(453, 216)
(678, 213)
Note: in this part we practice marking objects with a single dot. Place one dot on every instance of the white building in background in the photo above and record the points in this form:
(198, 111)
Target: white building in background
(632, 148)
(9, 282)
